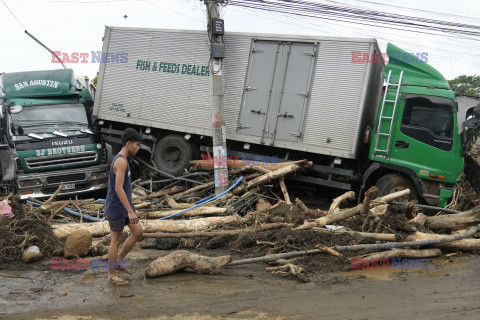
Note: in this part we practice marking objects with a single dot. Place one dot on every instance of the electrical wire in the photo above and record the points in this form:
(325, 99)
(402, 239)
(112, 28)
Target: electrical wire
(316, 10)
(204, 201)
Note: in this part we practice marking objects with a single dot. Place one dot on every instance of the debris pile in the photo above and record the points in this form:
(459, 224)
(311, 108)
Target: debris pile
(258, 221)
(28, 227)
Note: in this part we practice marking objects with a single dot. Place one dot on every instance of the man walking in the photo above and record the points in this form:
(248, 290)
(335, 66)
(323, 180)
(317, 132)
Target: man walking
(119, 208)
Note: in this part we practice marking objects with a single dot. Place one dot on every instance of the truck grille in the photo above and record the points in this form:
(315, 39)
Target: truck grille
(61, 159)
(78, 187)
(67, 178)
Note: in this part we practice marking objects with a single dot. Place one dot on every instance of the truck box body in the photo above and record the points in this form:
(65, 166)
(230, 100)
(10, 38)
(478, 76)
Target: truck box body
(297, 92)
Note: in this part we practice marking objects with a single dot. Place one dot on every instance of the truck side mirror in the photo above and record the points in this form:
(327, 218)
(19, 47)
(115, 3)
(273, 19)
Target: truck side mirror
(15, 109)
(476, 110)
(471, 123)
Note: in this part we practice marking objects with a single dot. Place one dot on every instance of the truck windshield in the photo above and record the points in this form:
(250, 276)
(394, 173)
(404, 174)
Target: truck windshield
(55, 114)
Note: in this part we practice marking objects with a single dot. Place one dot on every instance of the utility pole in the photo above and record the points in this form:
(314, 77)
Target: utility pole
(215, 30)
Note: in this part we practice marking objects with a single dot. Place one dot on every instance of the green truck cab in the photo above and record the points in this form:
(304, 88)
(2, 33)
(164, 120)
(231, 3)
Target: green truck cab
(46, 135)
(416, 131)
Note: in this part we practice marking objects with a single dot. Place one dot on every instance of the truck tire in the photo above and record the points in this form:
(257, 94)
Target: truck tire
(172, 154)
(394, 182)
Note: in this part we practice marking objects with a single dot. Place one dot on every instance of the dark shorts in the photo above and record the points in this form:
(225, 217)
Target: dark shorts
(118, 224)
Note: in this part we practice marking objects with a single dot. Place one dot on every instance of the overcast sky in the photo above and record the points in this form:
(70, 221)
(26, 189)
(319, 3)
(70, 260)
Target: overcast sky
(78, 26)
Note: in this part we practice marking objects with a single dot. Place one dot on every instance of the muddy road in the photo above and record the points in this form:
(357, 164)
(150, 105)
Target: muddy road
(448, 289)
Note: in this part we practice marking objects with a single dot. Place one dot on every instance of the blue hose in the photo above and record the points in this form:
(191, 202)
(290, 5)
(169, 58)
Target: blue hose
(203, 201)
(85, 216)
(200, 202)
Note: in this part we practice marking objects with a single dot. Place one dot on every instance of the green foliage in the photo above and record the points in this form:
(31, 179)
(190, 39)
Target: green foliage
(466, 85)
(94, 80)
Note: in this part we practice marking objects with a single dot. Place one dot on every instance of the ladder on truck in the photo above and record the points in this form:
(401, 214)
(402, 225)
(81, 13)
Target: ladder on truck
(378, 152)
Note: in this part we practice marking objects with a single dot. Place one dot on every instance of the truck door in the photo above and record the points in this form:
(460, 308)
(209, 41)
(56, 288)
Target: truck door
(424, 136)
(259, 83)
(276, 92)
(286, 121)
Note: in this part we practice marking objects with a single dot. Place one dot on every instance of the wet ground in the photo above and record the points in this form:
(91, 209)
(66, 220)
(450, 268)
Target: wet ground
(448, 289)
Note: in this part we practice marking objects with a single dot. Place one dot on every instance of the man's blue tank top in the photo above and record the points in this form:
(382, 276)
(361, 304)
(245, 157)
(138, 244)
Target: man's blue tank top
(114, 208)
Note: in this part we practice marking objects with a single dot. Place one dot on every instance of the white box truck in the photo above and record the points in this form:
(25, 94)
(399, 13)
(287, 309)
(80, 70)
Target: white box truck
(285, 96)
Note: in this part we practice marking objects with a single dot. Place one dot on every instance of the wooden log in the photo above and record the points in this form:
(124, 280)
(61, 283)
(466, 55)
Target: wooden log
(379, 210)
(375, 236)
(52, 197)
(158, 194)
(458, 245)
(99, 229)
(455, 221)
(195, 189)
(408, 210)
(181, 259)
(369, 195)
(175, 205)
(350, 195)
(199, 211)
(328, 250)
(211, 234)
(250, 168)
(239, 166)
(307, 212)
(403, 253)
(281, 181)
(390, 197)
(419, 221)
(273, 175)
(347, 213)
(143, 205)
(48, 207)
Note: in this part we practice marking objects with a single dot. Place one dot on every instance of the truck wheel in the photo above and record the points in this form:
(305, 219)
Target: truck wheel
(392, 183)
(172, 154)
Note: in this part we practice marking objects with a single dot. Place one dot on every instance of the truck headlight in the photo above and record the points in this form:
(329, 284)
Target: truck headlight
(99, 175)
(30, 183)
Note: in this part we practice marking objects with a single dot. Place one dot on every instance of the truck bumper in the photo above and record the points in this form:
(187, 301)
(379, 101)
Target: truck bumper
(75, 181)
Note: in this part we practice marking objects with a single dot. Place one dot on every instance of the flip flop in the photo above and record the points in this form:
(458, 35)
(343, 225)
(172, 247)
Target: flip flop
(126, 270)
(118, 282)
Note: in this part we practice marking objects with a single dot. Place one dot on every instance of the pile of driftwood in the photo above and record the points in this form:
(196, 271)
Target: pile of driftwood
(260, 204)
(259, 221)
(180, 203)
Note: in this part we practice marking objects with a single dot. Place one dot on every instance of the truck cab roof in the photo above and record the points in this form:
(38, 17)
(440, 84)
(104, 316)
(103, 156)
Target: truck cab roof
(37, 84)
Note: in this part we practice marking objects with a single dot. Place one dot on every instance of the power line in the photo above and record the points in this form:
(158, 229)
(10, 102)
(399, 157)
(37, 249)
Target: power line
(13, 14)
(376, 18)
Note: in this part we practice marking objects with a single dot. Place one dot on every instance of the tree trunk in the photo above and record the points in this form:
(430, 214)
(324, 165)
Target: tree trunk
(99, 229)
(199, 211)
(454, 221)
(281, 181)
(350, 195)
(211, 234)
(460, 245)
(182, 259)
(175, 205)
(273, 175)
(158, 194)
(347, 213)
(238, 166)
(375, 236)
(403, 253)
